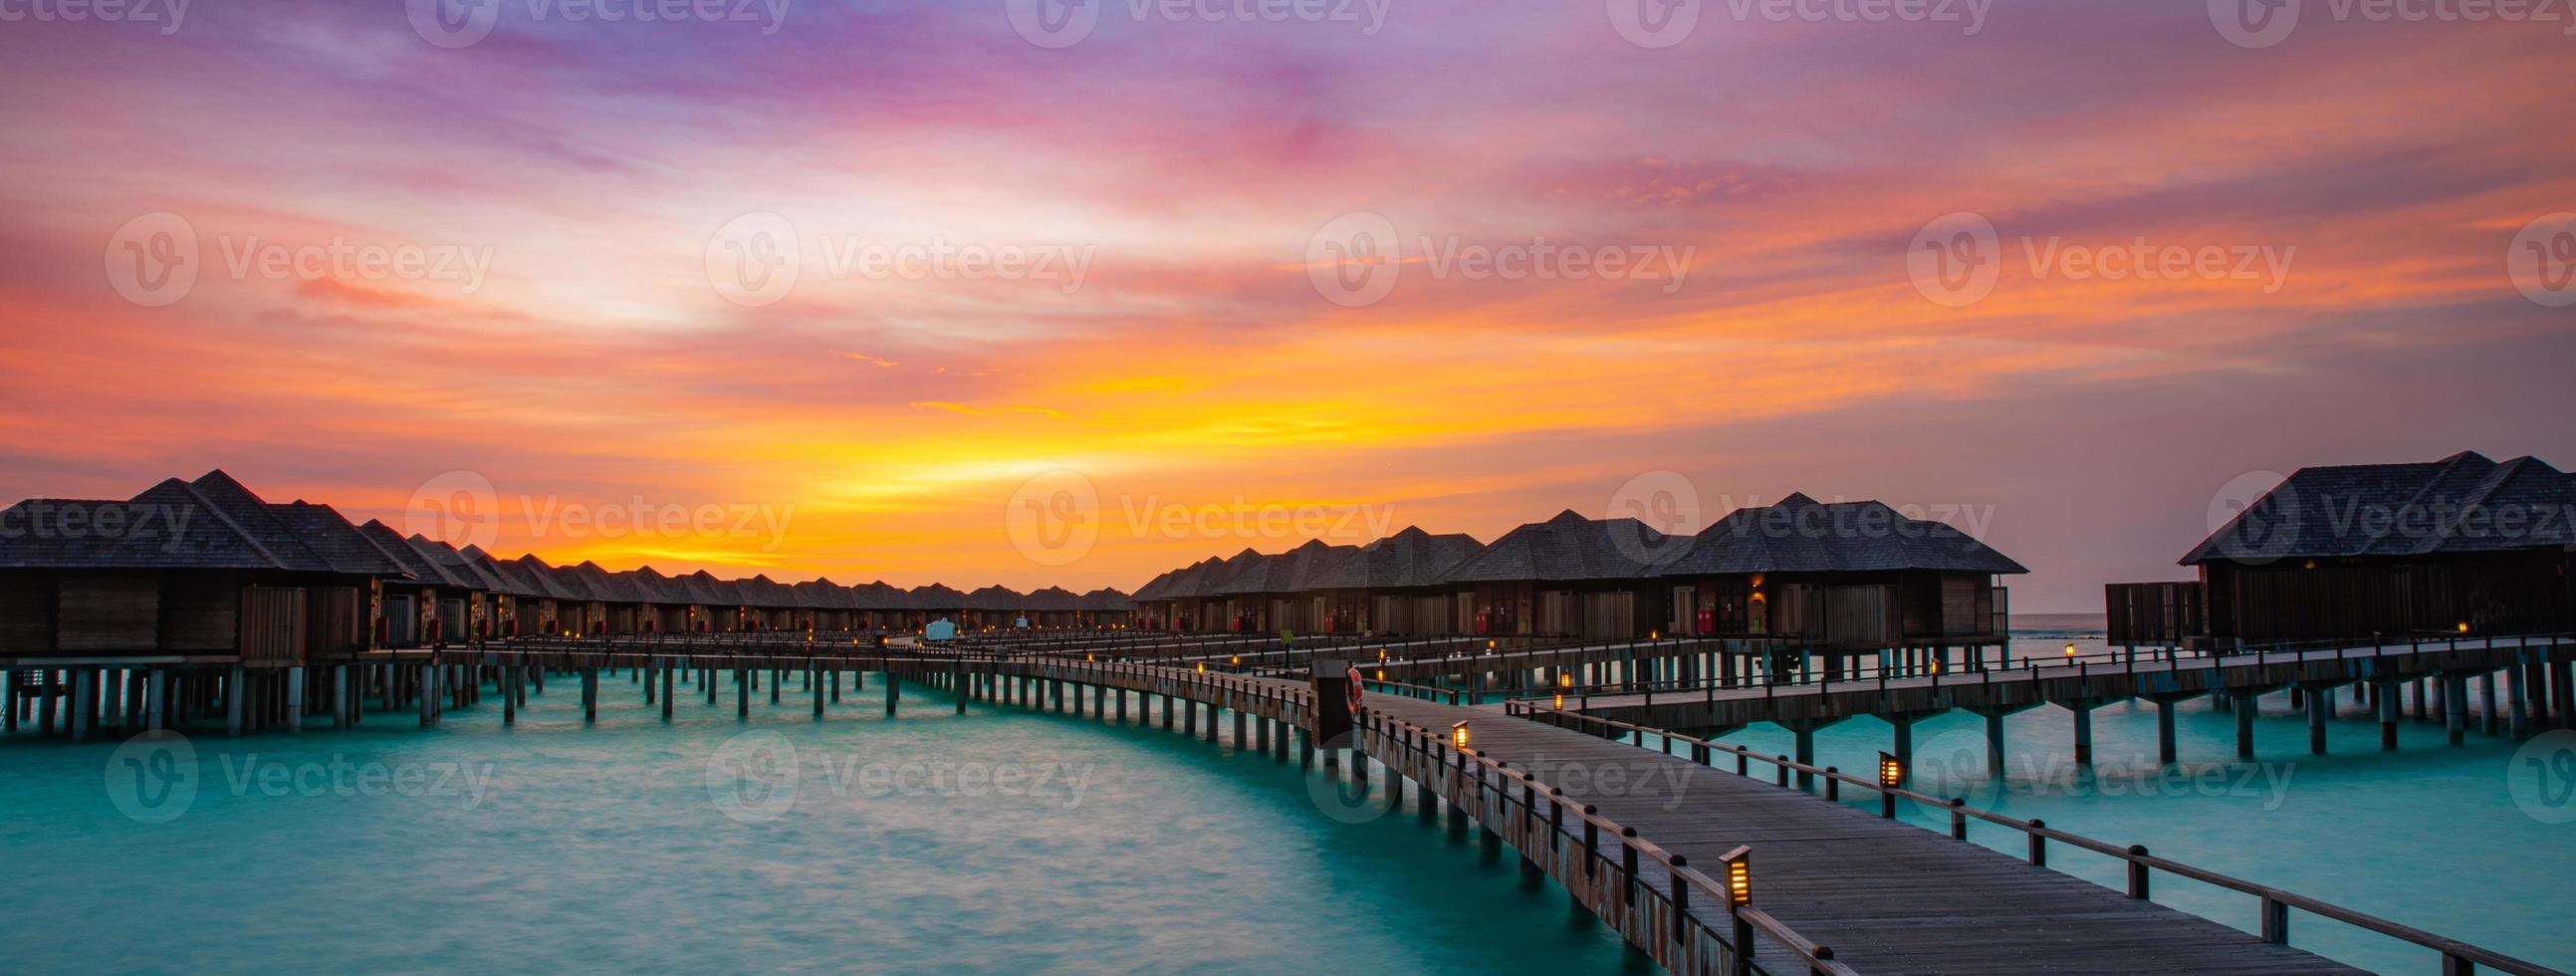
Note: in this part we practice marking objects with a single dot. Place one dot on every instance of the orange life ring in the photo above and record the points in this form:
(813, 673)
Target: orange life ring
(1355, 691)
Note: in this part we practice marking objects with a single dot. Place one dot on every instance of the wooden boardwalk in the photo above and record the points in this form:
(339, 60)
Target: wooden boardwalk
(1889, 898)
(2530, 667)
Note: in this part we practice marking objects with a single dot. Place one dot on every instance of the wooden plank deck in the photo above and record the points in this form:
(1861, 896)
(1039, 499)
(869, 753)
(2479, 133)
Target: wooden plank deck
(1889, 898)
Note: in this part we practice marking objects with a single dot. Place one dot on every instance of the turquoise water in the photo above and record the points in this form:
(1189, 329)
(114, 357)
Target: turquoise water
(1045, 842)
(2429, 836)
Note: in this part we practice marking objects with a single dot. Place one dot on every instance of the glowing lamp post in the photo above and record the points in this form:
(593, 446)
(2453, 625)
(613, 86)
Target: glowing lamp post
(1891, 774)
(1458, 736)
(1739, 879)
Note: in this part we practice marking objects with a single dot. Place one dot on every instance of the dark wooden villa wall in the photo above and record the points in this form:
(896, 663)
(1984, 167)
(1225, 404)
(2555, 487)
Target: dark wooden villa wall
(2155, 614)
(2355, 599)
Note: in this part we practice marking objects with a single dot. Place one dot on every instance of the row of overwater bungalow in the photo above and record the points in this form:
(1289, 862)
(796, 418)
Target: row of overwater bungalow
(1825, 576)
(207, 571)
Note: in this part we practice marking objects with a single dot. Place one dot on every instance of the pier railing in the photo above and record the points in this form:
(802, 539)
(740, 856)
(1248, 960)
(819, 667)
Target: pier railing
(2115, 662)
(2458, 958)
(1567, 841)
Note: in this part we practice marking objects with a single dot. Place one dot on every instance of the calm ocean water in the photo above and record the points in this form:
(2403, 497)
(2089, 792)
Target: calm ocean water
(1010, 840)
(1002, 841)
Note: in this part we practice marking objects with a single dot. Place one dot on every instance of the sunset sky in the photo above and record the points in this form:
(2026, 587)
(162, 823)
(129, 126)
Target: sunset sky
(576, 333)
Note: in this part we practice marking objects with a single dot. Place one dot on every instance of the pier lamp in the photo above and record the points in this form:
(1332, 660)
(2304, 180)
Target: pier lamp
(1381, 674)
(1560, 701)
(1203, 667)
(1489, 645)
(1088, 658)
(1653, 636)
(1235, 661)
(1458, 736)
(1739, 877)
(2464, 626)
(2070, 650)
(1891, 774)
(1381, 654)
(1565, 679)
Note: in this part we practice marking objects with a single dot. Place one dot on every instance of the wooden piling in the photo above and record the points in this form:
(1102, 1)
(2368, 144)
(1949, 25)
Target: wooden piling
(2455, 706)
(2165, 745)
(2244, 706)
(2388, 704)
(233, 703)
(2319, 703)
(2083, 733)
